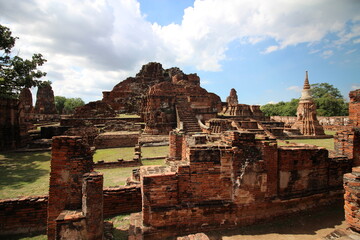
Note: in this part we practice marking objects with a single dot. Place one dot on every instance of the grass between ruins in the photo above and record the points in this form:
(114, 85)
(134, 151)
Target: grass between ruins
(26, 174)
(326, 143)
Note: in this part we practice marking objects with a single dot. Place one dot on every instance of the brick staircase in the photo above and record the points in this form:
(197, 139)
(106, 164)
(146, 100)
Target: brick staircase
(186, 115)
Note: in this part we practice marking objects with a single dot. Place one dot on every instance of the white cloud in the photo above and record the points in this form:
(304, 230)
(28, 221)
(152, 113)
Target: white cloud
(351, 51)
(91, 45)
(294, 88)
(327, 53)
(355, 86)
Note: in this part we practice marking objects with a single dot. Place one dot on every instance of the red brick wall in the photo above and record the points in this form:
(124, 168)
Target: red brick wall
(354, 107)
(25, 215)
(352, 198)
(29, 214)
(123, 199)
(116, 140)
(71, 158)
(302, 171)
(347, 143)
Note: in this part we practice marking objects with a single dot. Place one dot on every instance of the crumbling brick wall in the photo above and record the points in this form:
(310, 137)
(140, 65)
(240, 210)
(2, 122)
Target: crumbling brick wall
(347, 143)
(25, 215)
(71, 158)
(354, 108)
(45, 100)
(352, 198)
(238, 181)
(13, 130)
(29, 214)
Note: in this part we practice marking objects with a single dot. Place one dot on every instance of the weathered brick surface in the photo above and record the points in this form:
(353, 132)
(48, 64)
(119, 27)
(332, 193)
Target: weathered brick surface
(164, 101)
(96, 109)
(306, 120)
(116, 139)
(123, 199)
(238, 181)
(24, 215)
(302, 171)
(354, 108)
(29, 214)
(92, 204)
(45, 100)
(13, 129)
(347, 143)
(71, 158)
(352, 198)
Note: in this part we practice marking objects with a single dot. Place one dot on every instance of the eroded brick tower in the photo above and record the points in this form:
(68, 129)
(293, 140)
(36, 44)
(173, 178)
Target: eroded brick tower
(306, 120)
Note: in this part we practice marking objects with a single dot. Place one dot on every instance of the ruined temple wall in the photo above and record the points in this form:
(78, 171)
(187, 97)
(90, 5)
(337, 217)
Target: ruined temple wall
(347, 143)
(29, 214)
(254, 179)
(352, 198)
(25, 215)
(354, 108)
(71, 158)
(302, 171)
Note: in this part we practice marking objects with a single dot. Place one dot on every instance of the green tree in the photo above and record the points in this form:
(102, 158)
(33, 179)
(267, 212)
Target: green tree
(72, 103)
(60, 103)
(281, 108)
(16, 72)
(329, 101)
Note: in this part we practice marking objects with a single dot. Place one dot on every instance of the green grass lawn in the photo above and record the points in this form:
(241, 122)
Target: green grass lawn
(24, 174)
(326, 143)
(127, 153)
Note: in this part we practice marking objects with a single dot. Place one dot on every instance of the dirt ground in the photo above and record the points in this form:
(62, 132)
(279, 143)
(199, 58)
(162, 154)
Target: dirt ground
(304, 226)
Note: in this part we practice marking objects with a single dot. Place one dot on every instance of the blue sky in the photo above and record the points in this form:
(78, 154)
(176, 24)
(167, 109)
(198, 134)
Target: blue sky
(260, 48)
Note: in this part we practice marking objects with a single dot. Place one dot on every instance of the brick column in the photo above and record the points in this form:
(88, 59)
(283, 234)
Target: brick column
(352, 198)
(348, 143)
(176, 145)
(92, 204)
(71, 158)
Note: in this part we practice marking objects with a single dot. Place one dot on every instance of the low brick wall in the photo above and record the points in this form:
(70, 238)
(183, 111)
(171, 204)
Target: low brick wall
(77, 121)
(29, 214)
(23, 215)
(123, 199)
(116, 139)
(102, 165)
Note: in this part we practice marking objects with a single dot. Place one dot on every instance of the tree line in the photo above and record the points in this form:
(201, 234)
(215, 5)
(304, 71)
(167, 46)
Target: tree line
(328, 100)
(17, 73)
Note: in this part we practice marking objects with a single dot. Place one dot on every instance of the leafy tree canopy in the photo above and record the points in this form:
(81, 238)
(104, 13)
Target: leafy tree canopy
(67, 105)
(16, 72)
(328, 99)
(72, 103)
(60, 103)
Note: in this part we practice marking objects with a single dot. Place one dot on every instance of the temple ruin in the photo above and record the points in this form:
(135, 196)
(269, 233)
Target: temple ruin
(45, 103)
(306, 120)
(225, 168)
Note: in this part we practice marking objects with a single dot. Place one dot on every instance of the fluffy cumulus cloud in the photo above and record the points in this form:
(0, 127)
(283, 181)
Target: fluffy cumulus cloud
(91, 45)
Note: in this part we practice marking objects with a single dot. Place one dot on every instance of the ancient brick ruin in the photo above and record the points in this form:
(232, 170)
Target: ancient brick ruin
(180, 103)
(98, 109)
(243, 111)
(127, 96)
(13, 129)
(352, 198)
(26, 102)
(45, 101)
(253, 180)
(306, 120)
(75, 206)
(354, 108)
(347, 141)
